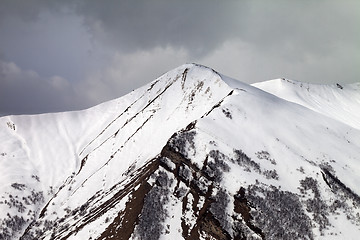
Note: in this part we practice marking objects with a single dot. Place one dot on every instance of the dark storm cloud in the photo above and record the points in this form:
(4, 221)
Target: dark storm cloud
(25, 92)
(201, 26)
(54, 44)
(198, 26)
(291, 27)
(130, 25)
(104, 49)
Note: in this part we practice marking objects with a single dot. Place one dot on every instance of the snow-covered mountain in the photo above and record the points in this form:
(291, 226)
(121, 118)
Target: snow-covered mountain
(339, 102)
(192, 155)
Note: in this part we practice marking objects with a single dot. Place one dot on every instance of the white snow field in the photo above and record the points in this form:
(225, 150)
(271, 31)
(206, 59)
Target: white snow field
(336, 101)
(191, 155)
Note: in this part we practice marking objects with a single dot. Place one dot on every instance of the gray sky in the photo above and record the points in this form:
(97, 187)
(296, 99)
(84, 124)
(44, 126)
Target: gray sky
(69, 55)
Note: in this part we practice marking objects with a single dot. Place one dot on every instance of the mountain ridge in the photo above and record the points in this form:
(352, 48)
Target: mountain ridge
(340, 102)
(194, 151)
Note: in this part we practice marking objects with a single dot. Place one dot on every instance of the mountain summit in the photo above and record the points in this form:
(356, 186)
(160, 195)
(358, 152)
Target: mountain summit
(192, 155)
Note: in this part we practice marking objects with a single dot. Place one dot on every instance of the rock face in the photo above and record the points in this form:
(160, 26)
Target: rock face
(192, 155)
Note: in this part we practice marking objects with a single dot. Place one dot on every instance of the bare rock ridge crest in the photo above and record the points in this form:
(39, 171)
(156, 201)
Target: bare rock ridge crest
(192, 155)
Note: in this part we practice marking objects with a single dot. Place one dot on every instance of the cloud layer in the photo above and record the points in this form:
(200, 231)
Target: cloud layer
(66, 55)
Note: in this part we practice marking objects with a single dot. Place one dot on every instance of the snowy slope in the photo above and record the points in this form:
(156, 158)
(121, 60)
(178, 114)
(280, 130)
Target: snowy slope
(38, 153)
(191, 155)
(341, 102)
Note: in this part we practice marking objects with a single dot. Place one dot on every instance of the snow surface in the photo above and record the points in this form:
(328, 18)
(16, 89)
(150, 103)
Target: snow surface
(341, 102)
(74, 159)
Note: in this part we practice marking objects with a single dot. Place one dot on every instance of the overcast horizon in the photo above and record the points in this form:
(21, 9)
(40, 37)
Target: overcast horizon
(70, 55)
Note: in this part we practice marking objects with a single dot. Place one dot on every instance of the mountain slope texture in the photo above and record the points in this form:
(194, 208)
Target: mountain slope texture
(192, 155)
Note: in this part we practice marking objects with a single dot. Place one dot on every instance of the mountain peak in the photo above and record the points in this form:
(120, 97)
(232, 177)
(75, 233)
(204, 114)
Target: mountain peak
(191, 155)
